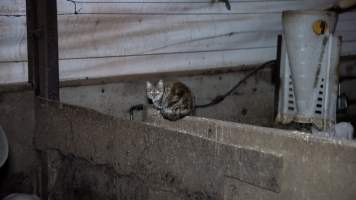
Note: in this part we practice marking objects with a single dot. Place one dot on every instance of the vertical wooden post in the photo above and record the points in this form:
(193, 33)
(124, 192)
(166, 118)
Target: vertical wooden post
(42, 45)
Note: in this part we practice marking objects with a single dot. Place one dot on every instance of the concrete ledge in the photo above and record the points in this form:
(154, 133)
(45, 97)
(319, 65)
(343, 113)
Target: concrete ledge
(313, 167)
(162, 163)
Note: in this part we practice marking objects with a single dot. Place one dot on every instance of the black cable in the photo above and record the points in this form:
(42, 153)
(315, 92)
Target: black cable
(220, 98)
(133, 108)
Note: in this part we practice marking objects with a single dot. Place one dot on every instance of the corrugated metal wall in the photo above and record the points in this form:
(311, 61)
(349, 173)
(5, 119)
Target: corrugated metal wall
(115, 37)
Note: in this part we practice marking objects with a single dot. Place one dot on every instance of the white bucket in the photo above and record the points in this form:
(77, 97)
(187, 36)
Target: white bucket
(4, 147)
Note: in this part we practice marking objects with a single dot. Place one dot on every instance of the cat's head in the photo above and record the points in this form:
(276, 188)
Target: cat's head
(155, 91)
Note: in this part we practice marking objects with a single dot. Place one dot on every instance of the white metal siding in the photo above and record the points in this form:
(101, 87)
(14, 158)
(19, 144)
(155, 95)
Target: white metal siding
(116, 37)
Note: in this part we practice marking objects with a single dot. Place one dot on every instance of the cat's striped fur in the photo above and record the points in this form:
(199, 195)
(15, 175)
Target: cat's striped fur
(173, 99)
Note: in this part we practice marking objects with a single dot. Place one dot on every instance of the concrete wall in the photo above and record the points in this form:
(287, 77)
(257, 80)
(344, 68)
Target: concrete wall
(251, 103)
(96, 156)
(313, 167)
(18, 121)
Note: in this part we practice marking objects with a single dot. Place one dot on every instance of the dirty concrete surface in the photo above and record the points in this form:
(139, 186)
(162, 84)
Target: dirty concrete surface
(195, 159)
(17, 119)
(102, 156)
(313, 167)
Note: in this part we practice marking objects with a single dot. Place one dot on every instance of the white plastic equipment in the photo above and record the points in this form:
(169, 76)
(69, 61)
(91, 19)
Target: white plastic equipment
(342, 130)
(308, 68)
(4, 147)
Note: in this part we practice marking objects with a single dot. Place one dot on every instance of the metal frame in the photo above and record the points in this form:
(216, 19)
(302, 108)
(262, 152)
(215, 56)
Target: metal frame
(42, 45)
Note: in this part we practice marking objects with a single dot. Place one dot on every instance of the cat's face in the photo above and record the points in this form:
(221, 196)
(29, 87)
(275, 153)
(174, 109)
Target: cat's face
(155, 92)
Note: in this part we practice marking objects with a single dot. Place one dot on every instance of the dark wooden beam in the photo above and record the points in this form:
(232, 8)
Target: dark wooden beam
(42, 44)
(276, 75)
(31, 26)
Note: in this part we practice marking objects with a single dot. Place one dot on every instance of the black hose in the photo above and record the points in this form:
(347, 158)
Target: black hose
(220, 98)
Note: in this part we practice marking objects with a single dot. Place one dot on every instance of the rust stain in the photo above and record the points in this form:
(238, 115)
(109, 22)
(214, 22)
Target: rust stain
(320, 27)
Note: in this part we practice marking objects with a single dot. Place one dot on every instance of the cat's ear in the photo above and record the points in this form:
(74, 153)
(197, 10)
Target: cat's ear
(160, 84)
(148, 85)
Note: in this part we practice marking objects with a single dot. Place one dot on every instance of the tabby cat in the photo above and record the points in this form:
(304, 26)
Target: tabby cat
(173, 99)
